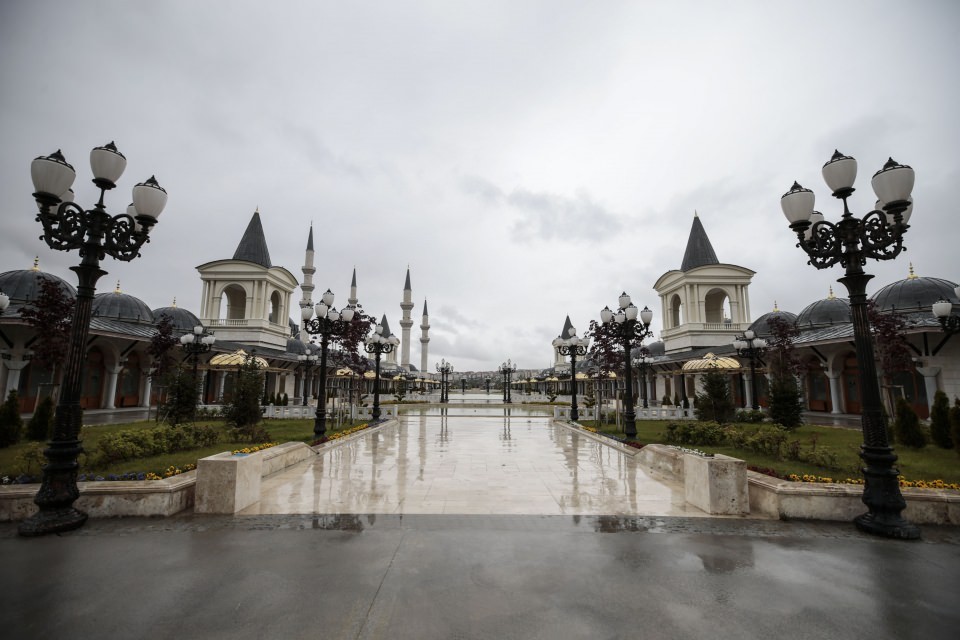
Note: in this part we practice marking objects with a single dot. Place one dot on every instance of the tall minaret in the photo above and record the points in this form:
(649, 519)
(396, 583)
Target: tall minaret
(406, 323)
(307, 286)
(352, 300)
(424, 337)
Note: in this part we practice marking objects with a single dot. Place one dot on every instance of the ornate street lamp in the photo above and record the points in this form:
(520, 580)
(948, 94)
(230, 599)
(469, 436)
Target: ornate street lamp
(642, 362)
(306, 361)
(96, 234)
(942, 310)
(849, 242)
(507, 369)
(194, 344)
(328, 323)
(572, 346)
(629, 331)
(444, 368)
(751, 347)
(379, 344)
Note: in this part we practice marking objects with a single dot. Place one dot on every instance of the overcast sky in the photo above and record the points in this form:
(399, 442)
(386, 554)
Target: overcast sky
(528, 160)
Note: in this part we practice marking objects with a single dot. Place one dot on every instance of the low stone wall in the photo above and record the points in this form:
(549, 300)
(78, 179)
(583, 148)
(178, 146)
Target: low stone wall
(110, 499)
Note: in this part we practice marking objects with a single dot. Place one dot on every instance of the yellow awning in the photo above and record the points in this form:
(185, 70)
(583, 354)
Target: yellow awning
(710, 362)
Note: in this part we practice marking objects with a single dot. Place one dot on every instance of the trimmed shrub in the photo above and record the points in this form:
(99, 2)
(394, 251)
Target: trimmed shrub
(785, 407)
(702, 433)
(749, 416)
(40, 426)
(143, 443)
(940, 421)
(11, 424)
(907, 426)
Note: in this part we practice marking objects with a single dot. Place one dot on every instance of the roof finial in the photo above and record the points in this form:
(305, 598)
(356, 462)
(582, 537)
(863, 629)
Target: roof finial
(776, 309)
(831, 296)
(174, 302)
(912, 275)
(36, 263)
(117, 290)
(695, 214)
(257, 210)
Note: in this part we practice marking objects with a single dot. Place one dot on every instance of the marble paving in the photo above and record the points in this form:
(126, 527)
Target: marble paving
(471, 465)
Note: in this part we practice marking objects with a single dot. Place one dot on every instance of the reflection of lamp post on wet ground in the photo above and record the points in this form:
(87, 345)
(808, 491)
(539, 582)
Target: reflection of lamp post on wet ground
(379, 344)
(488, 385)
(642, 362)
(463, 385)
(194, 344)
(572, 346)
(751, 347)
(629, 331)
(97, 234)
(444, 368)
(849, 242)
(327, 324)
(507, 369)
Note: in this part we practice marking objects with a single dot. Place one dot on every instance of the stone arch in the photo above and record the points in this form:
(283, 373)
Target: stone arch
(676, 311)
(275, 310)
(235, 297)
(716, 305)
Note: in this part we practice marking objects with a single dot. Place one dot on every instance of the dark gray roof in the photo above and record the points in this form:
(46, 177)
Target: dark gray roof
(296, 346)
(425, 306)
(699, 250)
(353, 282)
(23, 286)
(566, 327)
(310, 239)
(406, 285)
(122, 307)
(824, 313)
(112, 326)
(182, 319)
(914, 294)
(761, 326)
(385, 325)
(253, 245)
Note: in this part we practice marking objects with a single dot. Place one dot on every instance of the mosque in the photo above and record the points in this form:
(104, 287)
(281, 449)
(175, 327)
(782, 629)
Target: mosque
(244, 302)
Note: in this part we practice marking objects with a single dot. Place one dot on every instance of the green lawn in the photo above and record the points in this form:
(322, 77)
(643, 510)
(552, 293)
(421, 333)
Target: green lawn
(929, 463)
(280, 431)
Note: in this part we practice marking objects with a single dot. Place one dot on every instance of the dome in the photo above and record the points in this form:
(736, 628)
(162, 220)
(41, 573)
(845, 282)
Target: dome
(823, 313)
(296, 346)
(121, 306)
(761, 326)
(914, 294)
(656, 348)
(182, 319)
(23, 286)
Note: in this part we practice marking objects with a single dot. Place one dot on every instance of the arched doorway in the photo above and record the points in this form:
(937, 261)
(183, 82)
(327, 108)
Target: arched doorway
(92, 389)
(851, 384)
(818, 386)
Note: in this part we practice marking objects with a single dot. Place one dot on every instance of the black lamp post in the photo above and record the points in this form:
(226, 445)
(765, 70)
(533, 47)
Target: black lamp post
(379, 344)
(507, 369)
(306, 362)
(194, 344)
(941, 310)
(328, 323)
(96, 234)
(629, 331)
(444, 368)
(751, 347)
(642, 362)
(572, 346)
(849, 242)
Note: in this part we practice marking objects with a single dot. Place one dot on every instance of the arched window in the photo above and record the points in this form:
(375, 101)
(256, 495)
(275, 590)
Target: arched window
(275, 308)
(676, 308)
(716, 306)
(236, 303)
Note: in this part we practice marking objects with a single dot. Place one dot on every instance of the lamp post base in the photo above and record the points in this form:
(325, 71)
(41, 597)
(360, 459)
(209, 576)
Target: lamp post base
(888, 525)
(52, 521)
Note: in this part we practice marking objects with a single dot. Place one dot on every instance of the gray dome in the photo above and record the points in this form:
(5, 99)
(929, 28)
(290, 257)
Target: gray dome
(122, 307)
(914, 294)
(23, 286)
(656, 348)
(295, 346)
(761, 326)
(823, 313)
(182, 319)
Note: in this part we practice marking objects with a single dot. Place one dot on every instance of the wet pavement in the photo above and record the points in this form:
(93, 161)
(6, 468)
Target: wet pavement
(558, 573)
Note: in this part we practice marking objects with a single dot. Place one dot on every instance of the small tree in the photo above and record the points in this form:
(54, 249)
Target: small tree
(714, 403)
(40, 426)
(889, 344)
(161, 346)
(940, 421)
(50, 316)
(784, 365)
(182, 396)
(243, 410)
(11, 424)
(955, 424)
(907, 426)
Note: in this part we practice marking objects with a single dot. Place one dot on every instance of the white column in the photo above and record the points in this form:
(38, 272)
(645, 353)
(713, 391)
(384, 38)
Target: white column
(14, 366)
(110, 390)
(836, 398)
(147, 389)
(930, 382)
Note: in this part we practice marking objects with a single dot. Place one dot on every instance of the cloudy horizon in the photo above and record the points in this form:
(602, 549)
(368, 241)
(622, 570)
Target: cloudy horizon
(527, 160)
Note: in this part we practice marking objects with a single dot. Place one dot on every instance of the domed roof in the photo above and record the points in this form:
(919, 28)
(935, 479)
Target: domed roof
(23, 286)
(296, 346)
(761, 326)
(823, 313)
(121, 306)
(656, 348)
(182, 319)
(914, 293)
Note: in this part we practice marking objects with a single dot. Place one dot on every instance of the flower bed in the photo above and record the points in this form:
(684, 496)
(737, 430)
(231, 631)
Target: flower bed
(341, 434)
(904, 483)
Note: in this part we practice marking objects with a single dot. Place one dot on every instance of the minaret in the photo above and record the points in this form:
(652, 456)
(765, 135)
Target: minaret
(352, 300)
(406, 323)
(424, 337)
(307, 285)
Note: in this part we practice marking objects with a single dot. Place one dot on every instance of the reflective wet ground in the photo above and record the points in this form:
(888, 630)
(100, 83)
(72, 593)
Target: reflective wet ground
(473, 460)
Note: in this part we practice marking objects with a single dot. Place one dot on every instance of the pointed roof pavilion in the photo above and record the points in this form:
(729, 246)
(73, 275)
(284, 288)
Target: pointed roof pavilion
(699, 250)
(564, 333)
(253, 244)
